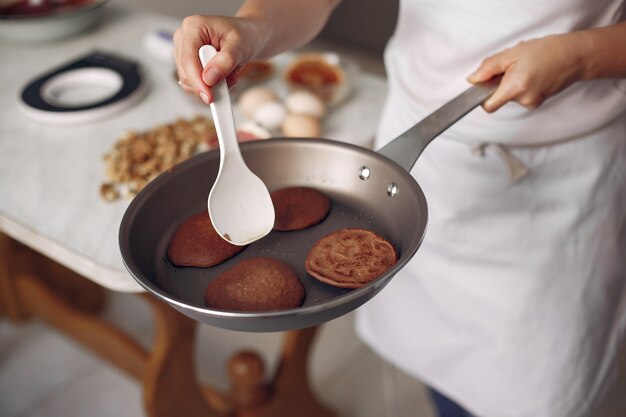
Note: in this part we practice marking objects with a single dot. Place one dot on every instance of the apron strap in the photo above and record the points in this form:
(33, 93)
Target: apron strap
(518, 170)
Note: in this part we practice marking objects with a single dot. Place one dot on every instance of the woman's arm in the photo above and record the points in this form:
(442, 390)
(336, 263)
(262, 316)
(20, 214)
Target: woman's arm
(260, 29)
(288, 24)
(539, 68)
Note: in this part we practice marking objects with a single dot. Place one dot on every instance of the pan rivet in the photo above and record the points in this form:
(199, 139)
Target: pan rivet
(365, 173)
(392, 189)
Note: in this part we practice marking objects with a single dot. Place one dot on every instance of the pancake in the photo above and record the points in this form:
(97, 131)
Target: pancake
(350, 258)
(299, 207)
(257, 284)
(196, 243)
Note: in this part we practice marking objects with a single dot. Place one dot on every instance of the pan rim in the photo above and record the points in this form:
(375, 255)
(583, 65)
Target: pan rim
(347, 297)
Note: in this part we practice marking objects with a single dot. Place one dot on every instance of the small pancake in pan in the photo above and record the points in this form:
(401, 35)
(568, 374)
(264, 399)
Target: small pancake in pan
(299, 207)
(196, 244)
(256, 284)
(350, 258)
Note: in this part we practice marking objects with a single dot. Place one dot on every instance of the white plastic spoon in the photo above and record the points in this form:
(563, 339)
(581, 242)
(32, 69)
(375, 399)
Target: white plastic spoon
(239, 203)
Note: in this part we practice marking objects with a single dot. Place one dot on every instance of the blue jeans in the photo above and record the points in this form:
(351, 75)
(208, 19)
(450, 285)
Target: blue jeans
(446, 407)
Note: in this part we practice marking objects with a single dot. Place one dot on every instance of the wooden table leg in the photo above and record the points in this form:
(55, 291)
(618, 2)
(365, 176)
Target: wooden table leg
(169, 382)
(17, 259)
(289, 393)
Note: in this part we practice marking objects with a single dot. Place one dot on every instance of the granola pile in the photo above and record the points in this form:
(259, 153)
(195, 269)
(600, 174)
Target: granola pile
(137, 158)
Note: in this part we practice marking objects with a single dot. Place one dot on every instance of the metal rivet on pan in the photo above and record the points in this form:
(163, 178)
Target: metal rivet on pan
(392, 189)
(365, 173)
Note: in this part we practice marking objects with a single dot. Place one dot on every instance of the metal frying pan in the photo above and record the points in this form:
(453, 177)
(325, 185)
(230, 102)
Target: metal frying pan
(368, 190)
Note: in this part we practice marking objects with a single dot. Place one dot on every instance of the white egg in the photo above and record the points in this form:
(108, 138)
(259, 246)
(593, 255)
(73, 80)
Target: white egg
(252, 98)
(306, 103)
(270, 115)
(254, 129)
(300, 125)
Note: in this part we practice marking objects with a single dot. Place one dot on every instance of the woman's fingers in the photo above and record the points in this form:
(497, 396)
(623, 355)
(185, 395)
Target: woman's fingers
(187, 89)
(510, 87)
(235, 41)
(490, 67)
(516, 85)
(533, 71)
(187, 41)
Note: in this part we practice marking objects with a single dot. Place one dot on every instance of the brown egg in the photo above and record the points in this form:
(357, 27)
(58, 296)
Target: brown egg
(299, 125)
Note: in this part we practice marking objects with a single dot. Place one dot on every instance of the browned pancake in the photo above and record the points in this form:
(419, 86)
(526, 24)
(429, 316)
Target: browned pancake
(299, 207)
(350, 258)
(257, 284)
(196, 243)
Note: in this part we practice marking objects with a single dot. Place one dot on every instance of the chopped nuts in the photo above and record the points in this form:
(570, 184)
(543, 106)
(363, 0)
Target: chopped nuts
(137, 158)
(109, 192)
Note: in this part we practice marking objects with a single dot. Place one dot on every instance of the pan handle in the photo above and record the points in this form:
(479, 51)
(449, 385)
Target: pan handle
(407, 147)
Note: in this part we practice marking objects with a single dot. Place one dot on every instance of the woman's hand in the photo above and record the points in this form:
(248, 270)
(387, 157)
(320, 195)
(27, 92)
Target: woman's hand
(261, 29)
(533, 70)
(237, 39)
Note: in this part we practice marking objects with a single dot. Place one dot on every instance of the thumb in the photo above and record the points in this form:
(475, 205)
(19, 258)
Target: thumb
(489, 68)
(218, 68)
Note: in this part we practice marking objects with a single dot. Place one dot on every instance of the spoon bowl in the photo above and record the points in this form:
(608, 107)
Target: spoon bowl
(240, 206)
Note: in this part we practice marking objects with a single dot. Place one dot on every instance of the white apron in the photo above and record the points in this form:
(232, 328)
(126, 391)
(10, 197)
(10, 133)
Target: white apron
(515, 305)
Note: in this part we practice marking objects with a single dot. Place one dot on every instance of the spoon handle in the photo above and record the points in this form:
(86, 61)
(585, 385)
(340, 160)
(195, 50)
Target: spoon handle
(222, 113)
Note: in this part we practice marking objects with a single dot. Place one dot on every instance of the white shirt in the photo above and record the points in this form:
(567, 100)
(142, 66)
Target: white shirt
(515, 305)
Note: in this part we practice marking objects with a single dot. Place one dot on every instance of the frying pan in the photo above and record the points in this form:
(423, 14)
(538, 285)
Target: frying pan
(371, 190)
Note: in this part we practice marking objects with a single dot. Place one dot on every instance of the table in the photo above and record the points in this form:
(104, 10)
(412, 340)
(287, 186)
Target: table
(57, 231)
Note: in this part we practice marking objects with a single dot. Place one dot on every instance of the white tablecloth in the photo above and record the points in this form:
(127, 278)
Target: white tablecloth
(50, 175)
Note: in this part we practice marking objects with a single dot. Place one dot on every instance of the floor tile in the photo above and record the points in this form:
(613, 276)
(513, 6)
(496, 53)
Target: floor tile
(334, 348)
(408, 396)
(358, 390)
(7, 332)
(33, 361)
(103, 392)
(370, 387)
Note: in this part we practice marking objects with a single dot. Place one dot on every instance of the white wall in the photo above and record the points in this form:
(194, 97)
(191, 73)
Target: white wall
(363, 25)
(182, 8)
